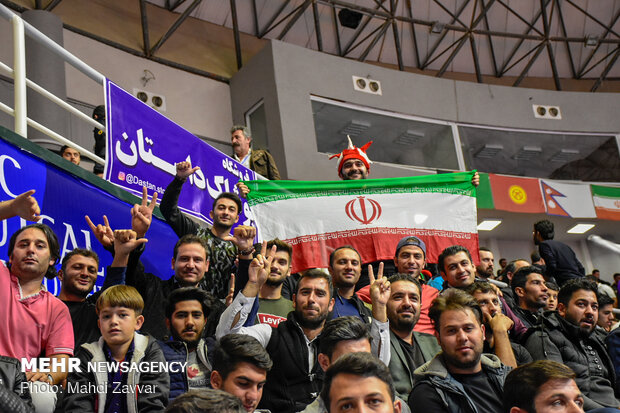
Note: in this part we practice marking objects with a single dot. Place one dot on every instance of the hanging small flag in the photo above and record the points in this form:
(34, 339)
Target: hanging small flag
(516, 194)
(567, 200)
(606, 201)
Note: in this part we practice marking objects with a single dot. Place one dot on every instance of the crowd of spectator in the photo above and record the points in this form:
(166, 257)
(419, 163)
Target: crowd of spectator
(222, 333)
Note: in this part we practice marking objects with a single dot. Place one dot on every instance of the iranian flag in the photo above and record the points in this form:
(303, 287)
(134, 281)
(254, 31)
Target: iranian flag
(372, 215)
(606, 201)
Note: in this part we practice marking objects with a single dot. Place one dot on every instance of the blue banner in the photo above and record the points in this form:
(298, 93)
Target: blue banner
(65, 200)
(143, 147)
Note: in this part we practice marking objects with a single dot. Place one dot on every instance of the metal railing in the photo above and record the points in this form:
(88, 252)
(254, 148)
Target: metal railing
(21, 82)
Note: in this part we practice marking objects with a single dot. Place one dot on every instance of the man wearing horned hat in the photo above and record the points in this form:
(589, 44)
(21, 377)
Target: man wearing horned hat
(354, 163)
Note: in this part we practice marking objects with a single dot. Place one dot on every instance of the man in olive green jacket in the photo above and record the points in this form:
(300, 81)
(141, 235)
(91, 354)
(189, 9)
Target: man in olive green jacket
(258, 160)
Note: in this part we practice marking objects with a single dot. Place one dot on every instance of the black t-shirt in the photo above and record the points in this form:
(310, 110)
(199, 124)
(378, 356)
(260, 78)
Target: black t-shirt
(522, 356)
(479, 388)
(424, 397)
(84, 319)
(414, 355)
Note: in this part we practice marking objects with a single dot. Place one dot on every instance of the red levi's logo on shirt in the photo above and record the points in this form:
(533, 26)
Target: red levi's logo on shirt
(272, 320)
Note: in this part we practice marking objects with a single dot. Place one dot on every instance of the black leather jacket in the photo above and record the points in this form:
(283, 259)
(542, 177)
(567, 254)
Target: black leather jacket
(16, 398)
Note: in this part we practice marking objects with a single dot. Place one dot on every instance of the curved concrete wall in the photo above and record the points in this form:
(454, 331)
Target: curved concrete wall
(285, 76)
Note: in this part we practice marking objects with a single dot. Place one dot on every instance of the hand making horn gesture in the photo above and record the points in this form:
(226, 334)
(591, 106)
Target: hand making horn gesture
(103, 232)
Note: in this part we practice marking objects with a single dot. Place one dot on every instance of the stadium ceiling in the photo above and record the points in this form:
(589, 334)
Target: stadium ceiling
(546, 38)
(482, 40)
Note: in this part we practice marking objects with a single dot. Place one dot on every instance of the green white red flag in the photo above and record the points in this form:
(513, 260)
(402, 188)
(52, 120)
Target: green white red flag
(372, 215)
(606, 202)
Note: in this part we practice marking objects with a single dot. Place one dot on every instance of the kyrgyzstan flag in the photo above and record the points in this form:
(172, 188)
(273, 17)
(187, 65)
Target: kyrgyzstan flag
(516, 194)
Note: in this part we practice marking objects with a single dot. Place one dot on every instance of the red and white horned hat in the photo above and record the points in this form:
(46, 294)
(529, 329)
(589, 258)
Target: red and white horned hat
(353, 152)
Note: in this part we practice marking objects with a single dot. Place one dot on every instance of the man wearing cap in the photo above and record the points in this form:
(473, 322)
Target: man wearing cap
(410, 258)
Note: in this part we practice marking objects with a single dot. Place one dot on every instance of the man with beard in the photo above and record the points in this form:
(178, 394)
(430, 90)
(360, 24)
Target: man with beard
(187, 310)
(353, 165)
(530, 288)
(502, 264)
(272, 307)
(567, 337)
(222, 247)
(189, 262)
(409, 349)
(456, 267)
(297, 377)
(460, 378)
(458, 270)
(353, 162)
(345, 267)
(560, 260)
(497, 327)
(34, 322)
(410, 258)
(77, 276)
(485, 268)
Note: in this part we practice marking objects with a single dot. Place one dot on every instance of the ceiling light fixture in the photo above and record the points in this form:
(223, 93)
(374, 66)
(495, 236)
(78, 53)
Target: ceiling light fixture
(527, 153)
(437, 28)
(355, 127)
(489, 151)
(580, 228)
(410, 137)
(489, 224)
(564, 155)
(590, 41)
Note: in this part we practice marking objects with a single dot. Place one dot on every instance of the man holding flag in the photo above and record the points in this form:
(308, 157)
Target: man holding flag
(371, 215)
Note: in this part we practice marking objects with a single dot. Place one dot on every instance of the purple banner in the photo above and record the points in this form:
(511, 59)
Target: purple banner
(64, 200)
(143, 147)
